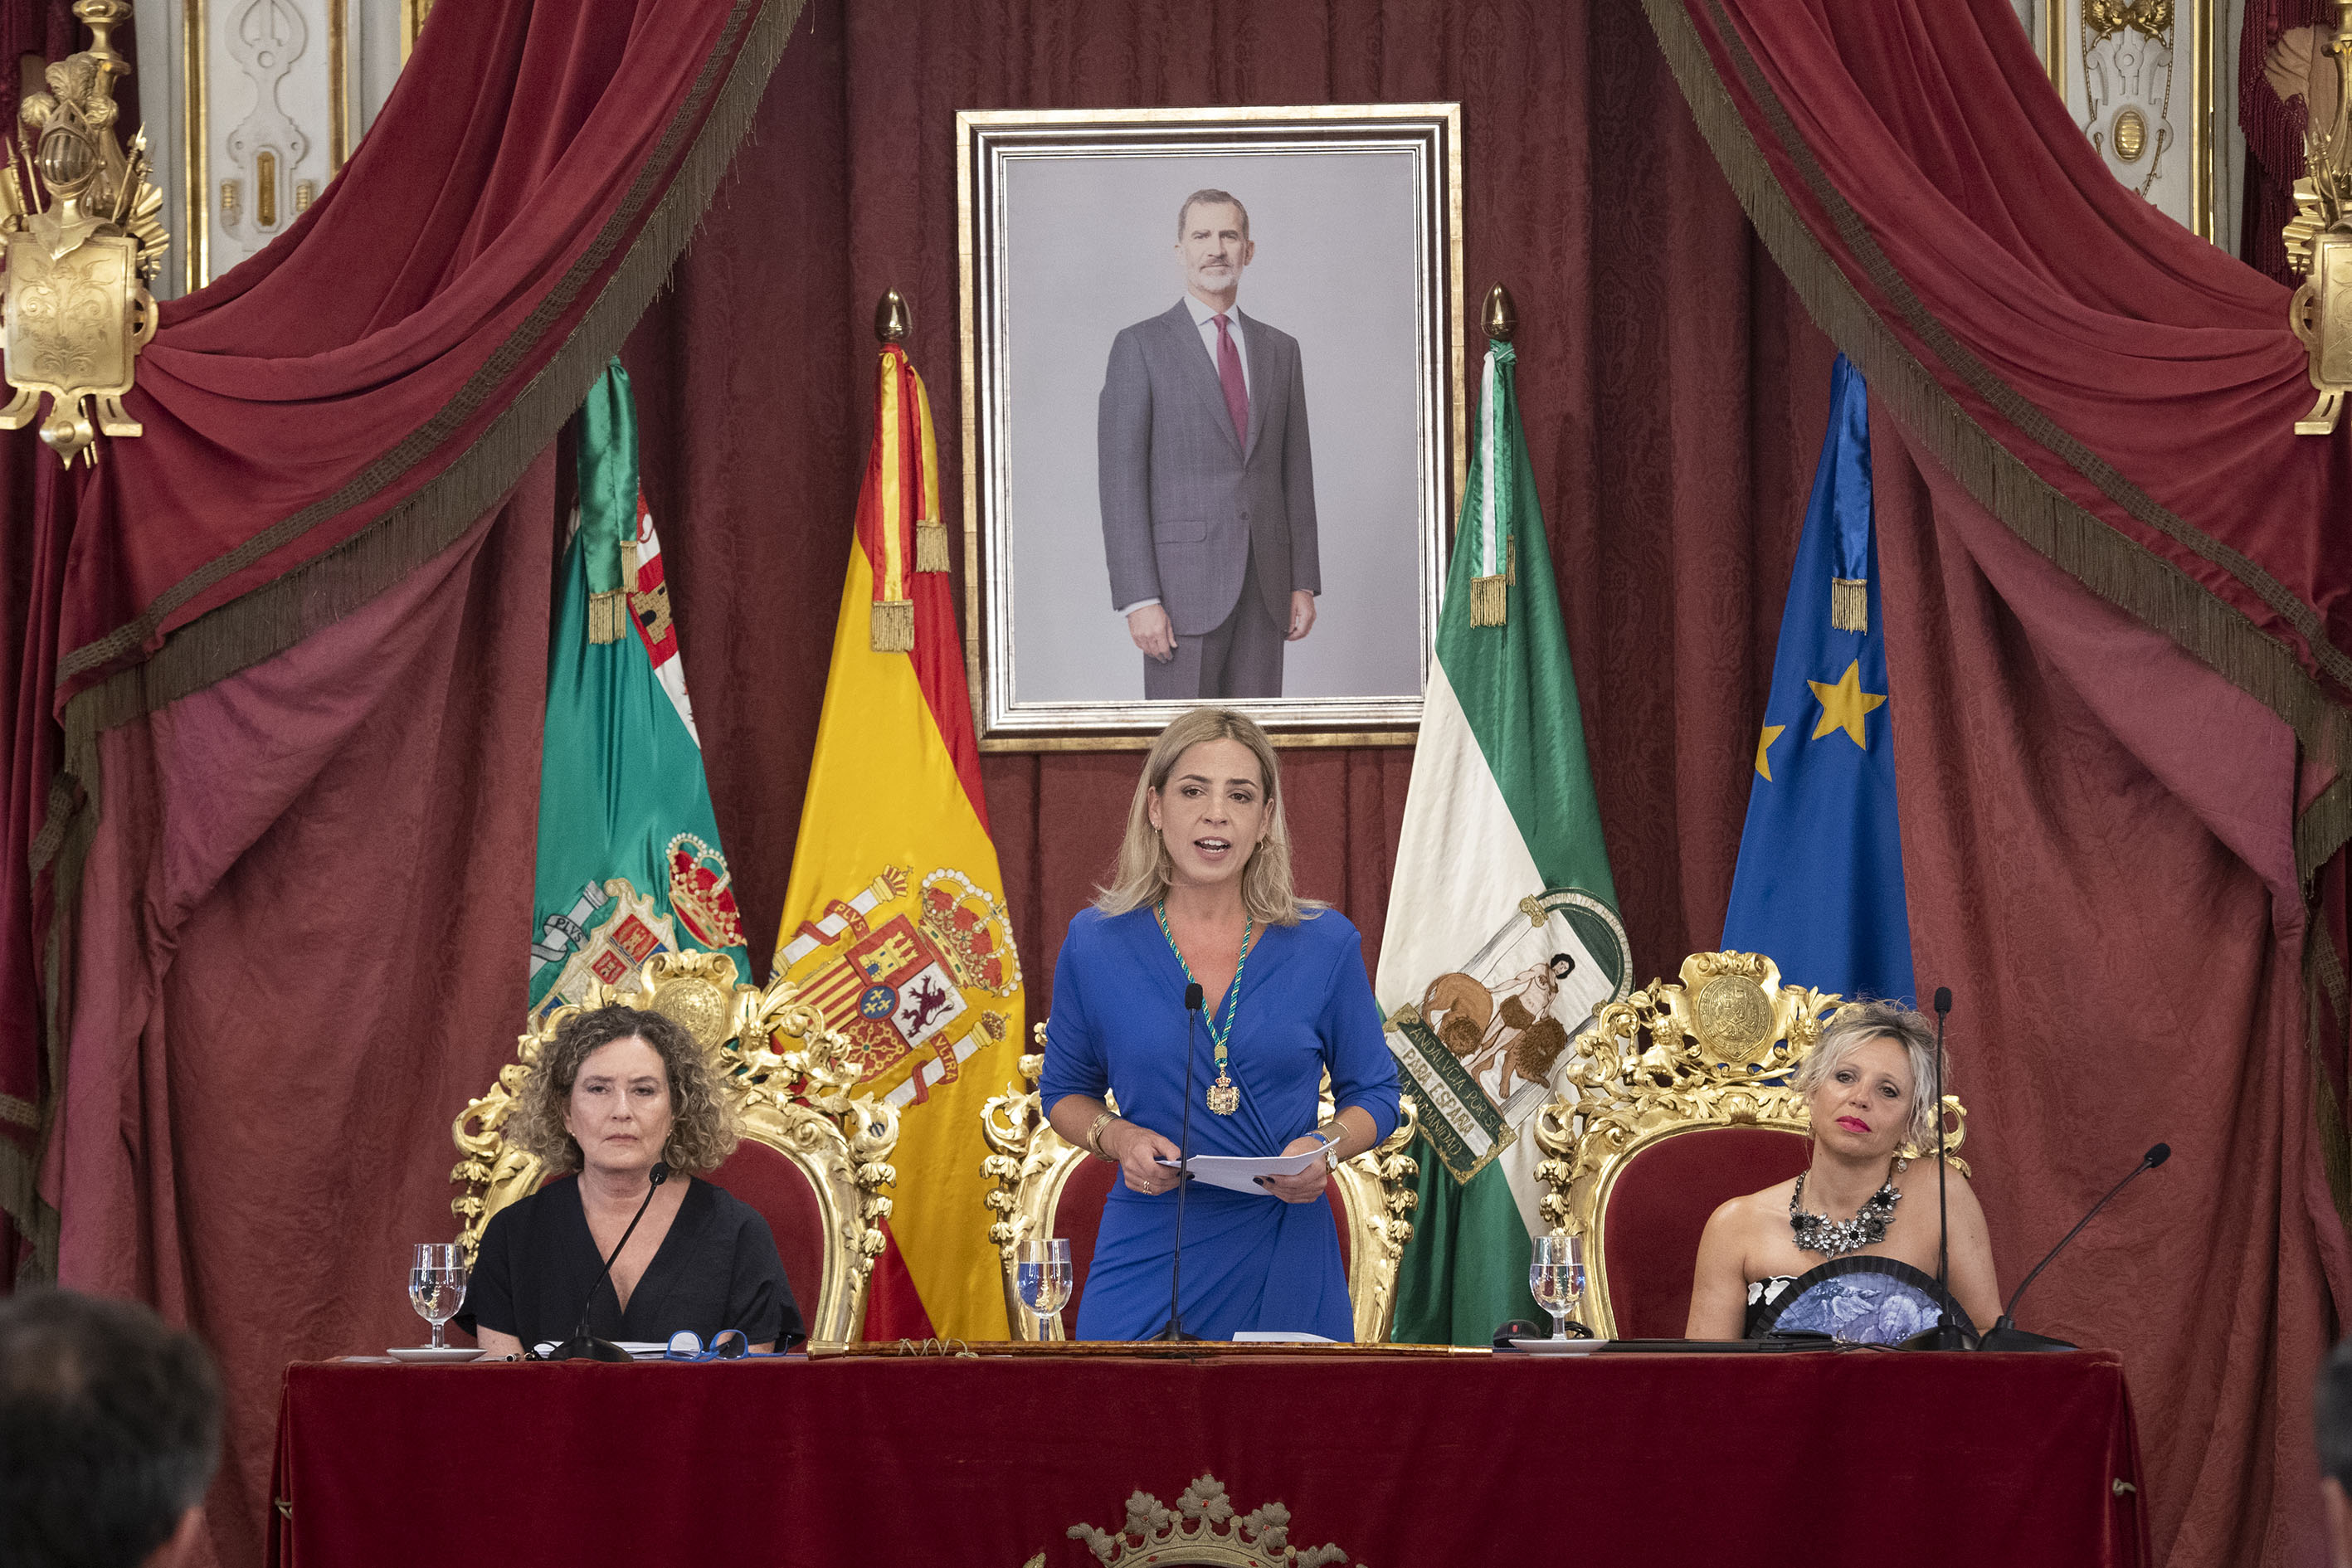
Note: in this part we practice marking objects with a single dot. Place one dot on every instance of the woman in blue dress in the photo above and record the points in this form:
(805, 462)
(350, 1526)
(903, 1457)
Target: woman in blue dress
(1202, 893)
(1839, 1250)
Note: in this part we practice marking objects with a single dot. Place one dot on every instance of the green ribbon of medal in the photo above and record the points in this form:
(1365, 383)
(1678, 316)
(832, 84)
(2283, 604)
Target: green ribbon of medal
(1224, 1096)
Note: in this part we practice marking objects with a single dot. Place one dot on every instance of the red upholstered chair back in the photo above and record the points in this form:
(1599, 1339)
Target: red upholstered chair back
(1077, 1219)
(1653, 1212)
(780, 1190)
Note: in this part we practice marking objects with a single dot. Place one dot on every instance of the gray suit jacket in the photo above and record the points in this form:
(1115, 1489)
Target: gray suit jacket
(1185, 505)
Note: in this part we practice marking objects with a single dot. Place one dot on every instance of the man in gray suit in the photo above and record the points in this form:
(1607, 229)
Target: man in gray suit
(1208, 490)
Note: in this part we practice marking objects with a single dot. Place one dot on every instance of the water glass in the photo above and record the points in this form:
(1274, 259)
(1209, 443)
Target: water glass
(1556, 1275)
(436, 1284)
(1040, 1270)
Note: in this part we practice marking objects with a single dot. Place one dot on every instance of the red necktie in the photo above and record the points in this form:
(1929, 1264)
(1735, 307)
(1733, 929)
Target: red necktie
(1229, 371)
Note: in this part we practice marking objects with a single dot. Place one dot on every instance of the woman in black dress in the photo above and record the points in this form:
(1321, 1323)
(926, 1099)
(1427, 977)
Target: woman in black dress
(617, 1091)
(1838, 1250)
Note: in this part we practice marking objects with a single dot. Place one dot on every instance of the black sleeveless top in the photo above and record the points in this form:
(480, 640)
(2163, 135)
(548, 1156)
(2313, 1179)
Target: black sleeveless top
(1860, 1301)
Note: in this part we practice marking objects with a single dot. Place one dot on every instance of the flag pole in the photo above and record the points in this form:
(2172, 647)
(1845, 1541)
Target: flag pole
(892, 320)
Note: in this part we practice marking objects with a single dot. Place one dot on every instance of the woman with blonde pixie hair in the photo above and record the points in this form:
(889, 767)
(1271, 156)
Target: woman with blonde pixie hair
(1203, 895)
(1783, 1260)
(615, 1096)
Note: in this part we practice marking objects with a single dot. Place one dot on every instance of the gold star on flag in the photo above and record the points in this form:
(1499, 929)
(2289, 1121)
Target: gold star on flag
(1771, 733)
(1843, 705)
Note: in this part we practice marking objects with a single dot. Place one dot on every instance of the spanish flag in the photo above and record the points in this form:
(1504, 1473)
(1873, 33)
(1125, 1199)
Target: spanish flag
(894, 924)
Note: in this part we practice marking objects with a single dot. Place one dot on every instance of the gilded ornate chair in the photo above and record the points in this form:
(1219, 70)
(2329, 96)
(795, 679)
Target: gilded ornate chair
(813, 1160)
(1681, 1101)
(1047, 1187)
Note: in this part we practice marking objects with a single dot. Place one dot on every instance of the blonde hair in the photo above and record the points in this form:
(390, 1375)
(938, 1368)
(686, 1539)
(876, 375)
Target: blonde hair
(1858, 1023)
(1144, 870)
(702, 1130)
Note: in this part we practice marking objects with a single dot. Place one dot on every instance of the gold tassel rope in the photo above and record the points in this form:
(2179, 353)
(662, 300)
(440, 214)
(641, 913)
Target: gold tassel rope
(1490, 599)
(894, 626)
(608, 617)
(1850, 604)
(930, 545)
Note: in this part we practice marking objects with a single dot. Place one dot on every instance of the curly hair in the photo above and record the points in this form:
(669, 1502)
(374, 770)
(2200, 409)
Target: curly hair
(1857, 1023)
(702, 1130)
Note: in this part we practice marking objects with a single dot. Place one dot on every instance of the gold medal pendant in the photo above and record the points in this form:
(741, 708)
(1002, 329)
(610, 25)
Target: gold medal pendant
(1224, 1096)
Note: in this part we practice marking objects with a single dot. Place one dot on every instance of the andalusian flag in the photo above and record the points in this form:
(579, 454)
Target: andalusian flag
(1820, 883)
(894, 925)
(629, 863)
(1502, 934)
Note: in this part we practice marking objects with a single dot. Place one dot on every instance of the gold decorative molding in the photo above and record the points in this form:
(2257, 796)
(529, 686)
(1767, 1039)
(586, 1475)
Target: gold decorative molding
(2319, 245)
(77, 309)
(1718, 1049)
(1031, 1164)
(1204, 1529)
(789, 1079)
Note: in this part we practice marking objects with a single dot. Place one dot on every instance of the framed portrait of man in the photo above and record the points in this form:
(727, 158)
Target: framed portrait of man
(1213, 418)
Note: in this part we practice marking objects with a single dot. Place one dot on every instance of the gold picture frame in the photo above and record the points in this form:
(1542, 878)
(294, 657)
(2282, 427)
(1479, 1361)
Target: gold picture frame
(1067, 223)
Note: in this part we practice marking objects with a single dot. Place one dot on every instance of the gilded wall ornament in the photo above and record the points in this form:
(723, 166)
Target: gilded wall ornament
(2319, 245)
(82, 238)
(1203, 1528)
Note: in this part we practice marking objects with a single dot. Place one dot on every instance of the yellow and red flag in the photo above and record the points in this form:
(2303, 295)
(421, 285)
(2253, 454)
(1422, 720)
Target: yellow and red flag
(895, 924)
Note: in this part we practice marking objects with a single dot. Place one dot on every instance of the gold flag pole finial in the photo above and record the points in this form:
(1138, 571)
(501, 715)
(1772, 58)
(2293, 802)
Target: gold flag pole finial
(1500, 317)
(892, 319)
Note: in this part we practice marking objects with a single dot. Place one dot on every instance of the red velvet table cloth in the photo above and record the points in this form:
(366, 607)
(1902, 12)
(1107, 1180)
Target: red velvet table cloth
(1862, 1456)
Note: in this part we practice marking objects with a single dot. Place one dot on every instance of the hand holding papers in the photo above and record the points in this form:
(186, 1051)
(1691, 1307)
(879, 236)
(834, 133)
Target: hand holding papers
(1240, 1173)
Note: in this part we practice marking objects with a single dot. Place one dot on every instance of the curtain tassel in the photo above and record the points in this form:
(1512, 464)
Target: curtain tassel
(1850, 604)
(608, 617)
(930, 545)
(894, 626)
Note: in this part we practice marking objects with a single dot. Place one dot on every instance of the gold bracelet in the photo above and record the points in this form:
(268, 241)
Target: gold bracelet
(1332, 1133)
(1094, 1136)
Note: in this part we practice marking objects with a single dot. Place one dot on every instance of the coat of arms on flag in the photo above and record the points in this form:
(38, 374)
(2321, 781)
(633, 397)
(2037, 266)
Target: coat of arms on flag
(1485, 1040)
(906, 970)
(628, 930)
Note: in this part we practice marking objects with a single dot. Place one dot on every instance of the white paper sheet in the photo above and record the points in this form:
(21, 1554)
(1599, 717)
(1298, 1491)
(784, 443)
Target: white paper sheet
(1239, 1172)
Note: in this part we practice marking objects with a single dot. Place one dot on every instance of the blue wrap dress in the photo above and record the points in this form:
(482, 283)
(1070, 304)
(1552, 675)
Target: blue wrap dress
(1251, 1261)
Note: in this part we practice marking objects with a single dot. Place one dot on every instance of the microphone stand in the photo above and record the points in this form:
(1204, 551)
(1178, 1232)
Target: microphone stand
(1946, 1335)
(1175, 1332)
(2005, 1335)
(582, 1345)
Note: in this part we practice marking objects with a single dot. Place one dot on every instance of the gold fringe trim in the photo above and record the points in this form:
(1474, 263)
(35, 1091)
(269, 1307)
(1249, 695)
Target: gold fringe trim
(1490, 600)
(281, 612)
(2116, 567)
(930, 545)
(1850, 604)
(2328, 1111)
(894, 626)
(608, 617)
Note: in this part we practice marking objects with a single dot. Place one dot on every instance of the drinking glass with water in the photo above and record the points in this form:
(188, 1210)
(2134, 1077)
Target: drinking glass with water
(1556, 1275)
(1040, 1270)
(436, 1284)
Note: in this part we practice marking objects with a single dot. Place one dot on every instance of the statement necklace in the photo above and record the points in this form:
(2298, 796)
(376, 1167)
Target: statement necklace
(1836, 1237)
(1224, 1096)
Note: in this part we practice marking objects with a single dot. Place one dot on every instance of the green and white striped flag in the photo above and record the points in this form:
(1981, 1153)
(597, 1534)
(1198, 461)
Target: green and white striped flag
(1502, 934)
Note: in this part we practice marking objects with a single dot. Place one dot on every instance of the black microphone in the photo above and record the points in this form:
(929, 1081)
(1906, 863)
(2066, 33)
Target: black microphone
(2005, 1335)
(1175, 1329)
(1946, 1335)
(582, 1345)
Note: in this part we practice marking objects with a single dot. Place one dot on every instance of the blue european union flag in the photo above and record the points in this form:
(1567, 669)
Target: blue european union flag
(1820, 882)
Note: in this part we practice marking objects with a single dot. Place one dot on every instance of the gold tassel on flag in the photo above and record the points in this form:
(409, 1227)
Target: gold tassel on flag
(608, 617)
(930, 533)
(894, 626)
(930, 545)
(1490, 597)
(1850, 604)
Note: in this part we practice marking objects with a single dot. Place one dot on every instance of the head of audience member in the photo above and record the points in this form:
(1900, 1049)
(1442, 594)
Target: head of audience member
(2332, 1409)
(110, 1431)
(1869, 1079)
(619, 1089)
(1206, 810)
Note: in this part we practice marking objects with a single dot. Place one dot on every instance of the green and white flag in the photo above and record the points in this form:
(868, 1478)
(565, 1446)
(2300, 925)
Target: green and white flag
(629, 863)
(1502, 935)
